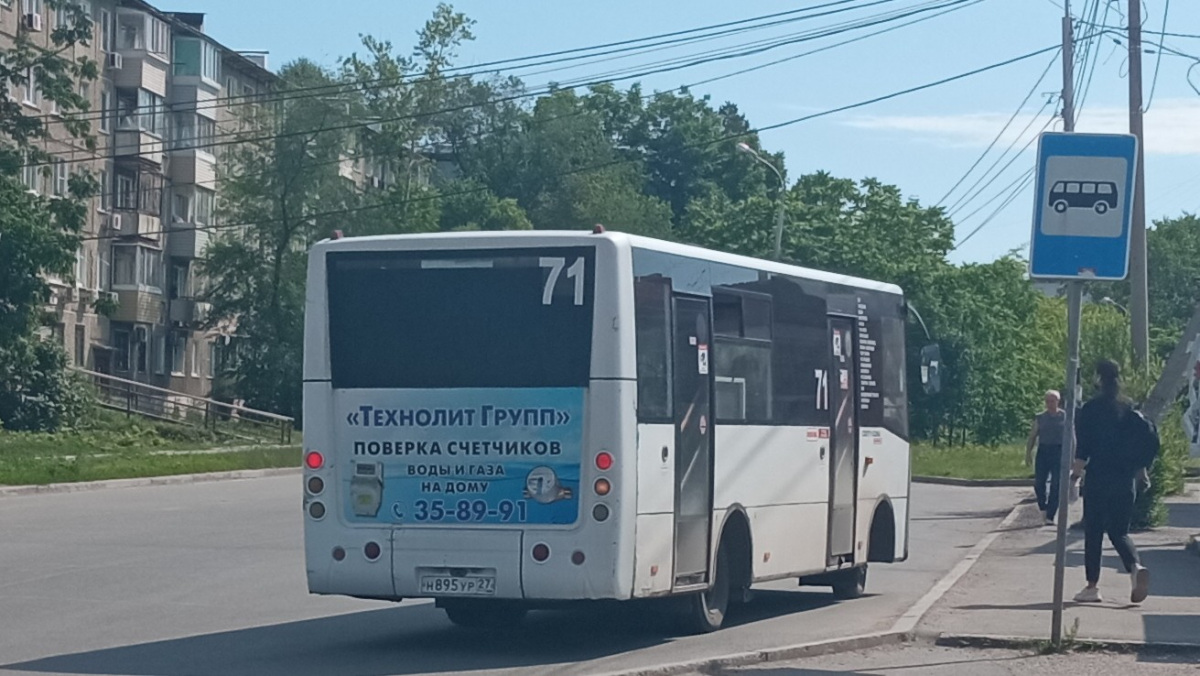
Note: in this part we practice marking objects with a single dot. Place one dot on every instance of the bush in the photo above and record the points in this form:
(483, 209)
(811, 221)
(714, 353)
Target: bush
(1167, 476)
(37, 393)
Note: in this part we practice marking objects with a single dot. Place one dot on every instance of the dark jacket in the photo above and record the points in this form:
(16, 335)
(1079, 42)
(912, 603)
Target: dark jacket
(1102, 439)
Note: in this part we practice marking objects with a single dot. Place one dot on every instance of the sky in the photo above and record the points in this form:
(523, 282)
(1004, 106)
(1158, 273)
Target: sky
(923, 142)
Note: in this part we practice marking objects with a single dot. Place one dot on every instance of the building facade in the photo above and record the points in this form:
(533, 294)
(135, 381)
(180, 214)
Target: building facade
(168, 98)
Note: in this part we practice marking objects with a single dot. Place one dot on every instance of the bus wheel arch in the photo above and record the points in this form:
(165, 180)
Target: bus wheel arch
(735, 534)
(881, 542)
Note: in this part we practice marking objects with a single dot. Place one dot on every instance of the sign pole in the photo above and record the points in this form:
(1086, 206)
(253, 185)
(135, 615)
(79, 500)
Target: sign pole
(1074, 309)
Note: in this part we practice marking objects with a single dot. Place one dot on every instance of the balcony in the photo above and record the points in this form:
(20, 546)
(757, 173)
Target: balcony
(139, 144)
(140, 306)
(140, 71)
(132, 223)
(193, 167)
(189, 312)
(188, 241)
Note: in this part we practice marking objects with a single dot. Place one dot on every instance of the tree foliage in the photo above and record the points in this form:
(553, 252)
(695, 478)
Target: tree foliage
(39, 235)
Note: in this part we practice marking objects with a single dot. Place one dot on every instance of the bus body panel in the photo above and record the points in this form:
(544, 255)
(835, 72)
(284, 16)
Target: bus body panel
(654, 554)
(883, 472)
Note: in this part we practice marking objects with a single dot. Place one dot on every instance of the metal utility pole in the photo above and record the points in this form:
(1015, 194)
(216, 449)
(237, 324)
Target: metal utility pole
(780, 208)
(1139, 300)
(1074, 310)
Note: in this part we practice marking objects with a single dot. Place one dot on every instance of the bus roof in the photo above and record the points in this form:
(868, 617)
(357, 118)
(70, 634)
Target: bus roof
(514, 238)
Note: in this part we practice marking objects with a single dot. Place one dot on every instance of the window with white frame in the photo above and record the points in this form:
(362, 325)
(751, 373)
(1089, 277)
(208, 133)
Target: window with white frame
(126, 193)
(195, 359)
(203, 207)
(106, 30)
(93, 270)
(136, 267)
(31, 7)
(178, 352)
(81, 268)
(180, 208)
(197, 58)
(120, 339)
(212, 359)
(62, 18)
(62, 178)
(106, 108)
(33, 94)
(106, 188)
(31, 173)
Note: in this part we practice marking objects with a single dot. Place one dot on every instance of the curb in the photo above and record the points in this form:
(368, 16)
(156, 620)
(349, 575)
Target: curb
(973, 483)
(1027, 642)
(783, 654)
(168, 480)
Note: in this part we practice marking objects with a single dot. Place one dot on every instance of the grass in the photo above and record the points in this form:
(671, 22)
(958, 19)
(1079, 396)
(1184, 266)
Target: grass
(1005, 461)
(26, 470)
(111, 446)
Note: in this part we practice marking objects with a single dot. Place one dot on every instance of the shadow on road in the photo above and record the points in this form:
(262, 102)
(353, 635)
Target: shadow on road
(412, 640)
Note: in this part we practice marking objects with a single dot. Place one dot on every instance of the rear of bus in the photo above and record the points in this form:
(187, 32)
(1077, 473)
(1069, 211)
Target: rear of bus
(463, 399)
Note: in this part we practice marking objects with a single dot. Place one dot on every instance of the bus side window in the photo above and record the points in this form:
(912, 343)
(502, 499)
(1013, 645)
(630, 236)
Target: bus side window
(1105, 188)
(652, 321)
(1059, 187)
(1072, 188)
(1089, 188)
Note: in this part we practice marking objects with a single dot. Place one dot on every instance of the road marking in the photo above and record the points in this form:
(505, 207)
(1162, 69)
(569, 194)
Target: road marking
(908, 621)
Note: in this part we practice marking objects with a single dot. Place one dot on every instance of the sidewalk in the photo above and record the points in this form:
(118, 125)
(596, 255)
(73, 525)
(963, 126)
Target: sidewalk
(1008, 593)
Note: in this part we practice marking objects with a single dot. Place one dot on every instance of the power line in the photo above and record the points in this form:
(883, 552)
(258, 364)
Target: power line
(1158, 59)
(959, 5)
(238, 138)
(1000, 134)
(973, 193)
(631, 46)
(604, 165)
(1004, 205)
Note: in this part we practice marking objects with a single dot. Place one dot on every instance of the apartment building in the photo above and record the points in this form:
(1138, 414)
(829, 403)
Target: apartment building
(168, 97)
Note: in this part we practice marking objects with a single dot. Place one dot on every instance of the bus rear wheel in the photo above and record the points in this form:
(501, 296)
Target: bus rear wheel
(483, 613)
(706, 611)
(850, 583)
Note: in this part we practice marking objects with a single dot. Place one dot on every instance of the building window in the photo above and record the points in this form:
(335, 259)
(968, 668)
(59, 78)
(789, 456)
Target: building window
(93, 270)
(62, 178)
(180, 281)
(204, 206)
(212, 359)
(197, 58)
(127, 193)
(194, 131)
(31, 7)
(121, 349)
(195, 359)
(62, 18)
(136, 267)
(160, 354)
(81, 345)
(31, 174)
(106, 30)
(105, 191)
(33, 94)
(179, 208)
(178, 352)
(106, 108)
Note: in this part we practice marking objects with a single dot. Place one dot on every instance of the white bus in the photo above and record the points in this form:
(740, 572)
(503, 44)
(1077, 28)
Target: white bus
(502, 421)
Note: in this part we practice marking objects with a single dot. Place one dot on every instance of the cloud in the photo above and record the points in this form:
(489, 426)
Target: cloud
(1172, 126)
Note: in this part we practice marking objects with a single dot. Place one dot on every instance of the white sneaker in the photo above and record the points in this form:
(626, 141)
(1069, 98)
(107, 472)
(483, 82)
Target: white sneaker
(1049, 521)
(1140, 579)
(1089, 595)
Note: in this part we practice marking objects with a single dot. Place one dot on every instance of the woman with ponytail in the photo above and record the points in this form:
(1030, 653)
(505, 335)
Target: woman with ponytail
(1112, 466)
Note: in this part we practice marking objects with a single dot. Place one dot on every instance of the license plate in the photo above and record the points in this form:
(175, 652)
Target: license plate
(458, 586)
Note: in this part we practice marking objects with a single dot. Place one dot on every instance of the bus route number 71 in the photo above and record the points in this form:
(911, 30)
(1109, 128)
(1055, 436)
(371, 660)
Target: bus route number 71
(556, 265)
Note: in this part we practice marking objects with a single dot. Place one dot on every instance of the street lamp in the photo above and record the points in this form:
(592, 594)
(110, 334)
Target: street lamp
(1109, 301)
(782, 192)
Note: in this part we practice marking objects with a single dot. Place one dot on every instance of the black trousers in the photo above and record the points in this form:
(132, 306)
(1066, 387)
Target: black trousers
(1046, 477)
(1107, 509)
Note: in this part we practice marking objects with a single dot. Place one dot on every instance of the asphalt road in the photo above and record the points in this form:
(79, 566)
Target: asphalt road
(208, 578)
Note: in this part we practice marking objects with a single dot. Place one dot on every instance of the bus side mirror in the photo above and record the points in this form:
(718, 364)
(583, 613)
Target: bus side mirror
(931, 369)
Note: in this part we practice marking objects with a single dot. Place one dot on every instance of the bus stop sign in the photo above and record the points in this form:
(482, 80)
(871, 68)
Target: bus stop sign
(1083, 206)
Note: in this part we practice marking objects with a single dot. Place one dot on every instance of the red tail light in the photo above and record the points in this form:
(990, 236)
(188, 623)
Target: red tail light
(314, 460)
(604, 461)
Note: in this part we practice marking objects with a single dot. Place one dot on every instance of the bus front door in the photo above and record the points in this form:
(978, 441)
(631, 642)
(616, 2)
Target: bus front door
(843, 381)
(693, 439)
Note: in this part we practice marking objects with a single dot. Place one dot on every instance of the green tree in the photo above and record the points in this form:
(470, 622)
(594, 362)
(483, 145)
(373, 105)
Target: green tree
(39, 235)
(276, 184)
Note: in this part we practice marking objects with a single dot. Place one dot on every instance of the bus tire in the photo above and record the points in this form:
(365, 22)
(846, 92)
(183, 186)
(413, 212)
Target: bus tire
(850, 583)
(483, 614)
(705, 612)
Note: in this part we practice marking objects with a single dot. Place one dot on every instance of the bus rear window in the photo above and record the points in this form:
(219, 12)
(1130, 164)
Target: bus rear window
(461, 319)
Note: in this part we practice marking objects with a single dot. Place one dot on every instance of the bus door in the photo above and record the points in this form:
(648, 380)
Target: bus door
(693, 438)
(843, 474)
